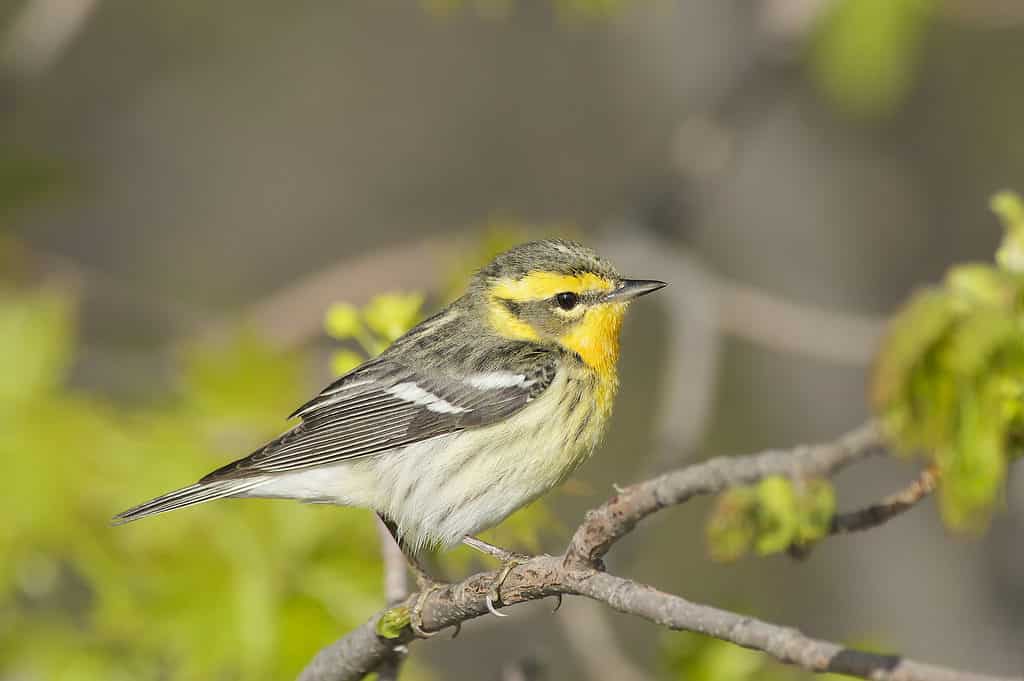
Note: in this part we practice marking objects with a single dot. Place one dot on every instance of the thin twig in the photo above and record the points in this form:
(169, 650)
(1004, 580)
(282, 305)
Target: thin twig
(579, 572)
(618, 516)
(890, 507)
(876, 514)
(41, 33)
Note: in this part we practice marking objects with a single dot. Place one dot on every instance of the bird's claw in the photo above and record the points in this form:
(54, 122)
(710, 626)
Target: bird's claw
(511, 562)
(416, 611)
(491, 598)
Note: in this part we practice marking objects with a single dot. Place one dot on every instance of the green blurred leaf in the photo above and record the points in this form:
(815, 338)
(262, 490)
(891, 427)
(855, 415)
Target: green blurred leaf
(35, 344)
(865, 53)
(731, 529)
(978, 284)
(342, 321)
(344, 361)
(692, 657)
(973, 470)
(912, 334)
(771, 517)
(391, 315)
(949, 378)
(1010, 209)
(26, 179)
(242, 382)
(237, 589)
(777, 517)
(816, 506)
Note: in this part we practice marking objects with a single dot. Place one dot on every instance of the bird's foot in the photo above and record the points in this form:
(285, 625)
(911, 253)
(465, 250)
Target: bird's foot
(426, 588)
(510, 560)
(509, 563)
(425, 585)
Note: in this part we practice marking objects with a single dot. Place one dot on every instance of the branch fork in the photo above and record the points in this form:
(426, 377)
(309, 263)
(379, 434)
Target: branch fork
(579, 571)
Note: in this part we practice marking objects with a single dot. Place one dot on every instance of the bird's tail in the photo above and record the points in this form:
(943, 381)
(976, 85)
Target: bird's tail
(188, 496)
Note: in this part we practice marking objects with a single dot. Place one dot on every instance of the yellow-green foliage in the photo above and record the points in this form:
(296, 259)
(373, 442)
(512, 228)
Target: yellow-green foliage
(692, 657)
(864, 53)
(230, 590)
(770, 517)
(949, 379)
(374, 328)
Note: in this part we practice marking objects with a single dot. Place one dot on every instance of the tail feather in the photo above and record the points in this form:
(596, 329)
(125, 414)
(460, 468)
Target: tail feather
(188, 496)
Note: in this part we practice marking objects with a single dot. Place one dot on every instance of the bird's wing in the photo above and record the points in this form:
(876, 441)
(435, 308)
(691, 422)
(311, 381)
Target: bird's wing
(384, 405)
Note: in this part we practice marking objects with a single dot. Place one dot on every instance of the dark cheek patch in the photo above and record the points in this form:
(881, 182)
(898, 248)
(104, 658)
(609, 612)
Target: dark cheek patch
(541, 316)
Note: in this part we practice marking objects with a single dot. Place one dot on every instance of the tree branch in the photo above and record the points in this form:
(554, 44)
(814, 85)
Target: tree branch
(579, 572)
(617, 517)
(889, 507)
(877, 514)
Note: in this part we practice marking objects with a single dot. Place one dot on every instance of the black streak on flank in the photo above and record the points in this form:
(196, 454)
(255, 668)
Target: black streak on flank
(583, 424)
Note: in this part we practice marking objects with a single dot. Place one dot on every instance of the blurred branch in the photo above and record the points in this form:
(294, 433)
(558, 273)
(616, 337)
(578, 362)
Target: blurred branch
(890, 507)
(786, 326)
(396, 584)
(41, 33)
(610, 522)
(790, 21)
(878, 514)
(596, 649)
(689, 366)
(526, 669)
(989, 14)
(295, 314)
(396, 589)
(579, 571)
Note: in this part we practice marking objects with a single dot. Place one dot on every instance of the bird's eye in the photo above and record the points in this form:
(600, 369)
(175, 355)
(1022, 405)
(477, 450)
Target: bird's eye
(567, 300)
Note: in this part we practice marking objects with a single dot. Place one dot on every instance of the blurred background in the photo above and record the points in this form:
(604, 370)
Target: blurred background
(186, 188)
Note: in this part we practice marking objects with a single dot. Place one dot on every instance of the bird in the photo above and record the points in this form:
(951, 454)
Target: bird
(473, 413)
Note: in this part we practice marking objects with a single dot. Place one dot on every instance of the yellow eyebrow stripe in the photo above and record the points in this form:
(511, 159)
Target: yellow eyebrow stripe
(541, 285)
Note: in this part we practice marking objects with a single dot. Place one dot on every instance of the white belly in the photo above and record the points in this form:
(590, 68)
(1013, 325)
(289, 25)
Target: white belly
(441, 490)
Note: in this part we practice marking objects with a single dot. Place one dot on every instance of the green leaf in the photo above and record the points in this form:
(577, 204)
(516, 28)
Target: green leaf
(36, 336)
(949, 379)
(974, 468)
(977, 284)
(771, 516)
(391, 315)
(344, 361)
(241, 382)
(914, 332)
(342, 321)
(777, 517)
(26, 179)
(693, 657)
(816, 505)
(731, 529)
(1010, 209)
(393, 622)
(865, 53)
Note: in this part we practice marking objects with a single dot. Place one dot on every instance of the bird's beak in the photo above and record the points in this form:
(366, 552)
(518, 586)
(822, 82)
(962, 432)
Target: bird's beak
(633, 288)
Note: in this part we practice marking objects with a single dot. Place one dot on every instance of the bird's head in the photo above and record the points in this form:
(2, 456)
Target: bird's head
(558, 292)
